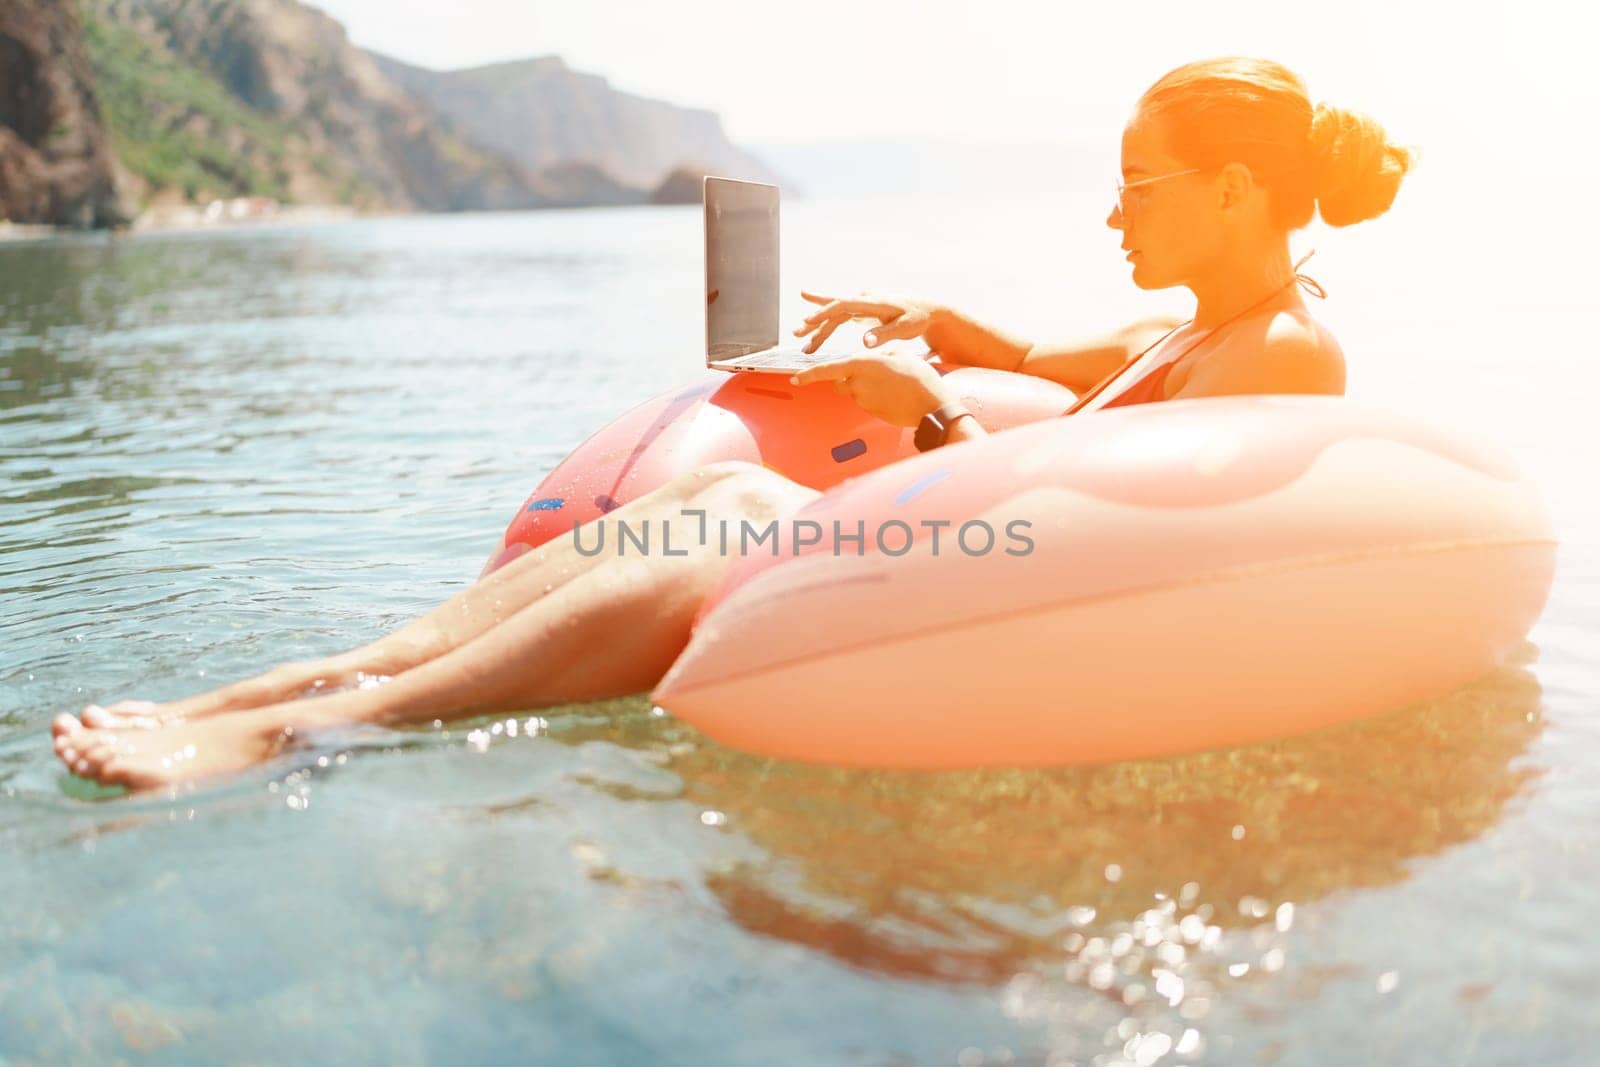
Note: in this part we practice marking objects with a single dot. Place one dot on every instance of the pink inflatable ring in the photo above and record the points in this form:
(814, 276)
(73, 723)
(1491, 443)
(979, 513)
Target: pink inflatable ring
(1155, 579)
(809, 434)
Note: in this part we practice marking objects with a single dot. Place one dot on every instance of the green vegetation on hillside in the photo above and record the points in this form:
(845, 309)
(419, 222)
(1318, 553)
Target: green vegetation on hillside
(177, 126)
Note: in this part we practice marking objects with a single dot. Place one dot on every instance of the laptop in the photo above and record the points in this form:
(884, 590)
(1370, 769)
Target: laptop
(742, 281)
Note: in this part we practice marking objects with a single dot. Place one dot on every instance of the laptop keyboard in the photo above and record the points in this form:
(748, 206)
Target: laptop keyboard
(782, 359)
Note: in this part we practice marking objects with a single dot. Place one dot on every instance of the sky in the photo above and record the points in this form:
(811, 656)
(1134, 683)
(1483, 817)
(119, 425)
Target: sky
(1432, 73)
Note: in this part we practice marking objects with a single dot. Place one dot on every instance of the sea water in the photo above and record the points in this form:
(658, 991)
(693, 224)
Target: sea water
(223, 450)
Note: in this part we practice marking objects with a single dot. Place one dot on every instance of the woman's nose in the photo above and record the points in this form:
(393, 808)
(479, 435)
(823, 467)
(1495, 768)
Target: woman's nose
(1114, 220)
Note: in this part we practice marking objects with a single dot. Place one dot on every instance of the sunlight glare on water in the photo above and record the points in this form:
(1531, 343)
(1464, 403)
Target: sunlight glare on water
(222, 451)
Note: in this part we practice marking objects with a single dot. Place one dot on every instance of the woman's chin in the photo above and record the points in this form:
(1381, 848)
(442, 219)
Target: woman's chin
(1145, 278)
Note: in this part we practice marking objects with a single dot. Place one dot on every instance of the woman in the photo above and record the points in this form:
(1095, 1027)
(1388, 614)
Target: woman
(1221, 161)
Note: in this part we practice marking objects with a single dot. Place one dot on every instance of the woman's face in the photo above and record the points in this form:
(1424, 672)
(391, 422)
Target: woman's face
(1172, 227)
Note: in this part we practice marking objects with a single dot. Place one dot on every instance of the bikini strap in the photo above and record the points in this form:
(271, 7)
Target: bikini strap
(1158, 340)
(1309, 284)
(1117, 374)
(1306, 282)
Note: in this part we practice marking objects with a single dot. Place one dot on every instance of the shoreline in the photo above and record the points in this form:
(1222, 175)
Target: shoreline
(188, 218)
(24, 231)
(236, 213)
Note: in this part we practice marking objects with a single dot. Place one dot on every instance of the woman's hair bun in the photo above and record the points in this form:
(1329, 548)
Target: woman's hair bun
(1355, 171)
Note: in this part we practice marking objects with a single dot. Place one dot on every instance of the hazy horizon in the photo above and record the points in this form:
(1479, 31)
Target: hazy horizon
(1452, 81)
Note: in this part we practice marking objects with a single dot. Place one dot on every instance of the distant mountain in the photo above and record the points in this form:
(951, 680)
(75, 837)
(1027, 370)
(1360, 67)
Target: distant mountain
(213, 98)
(542, 113)
(181, 102)
(56, 165)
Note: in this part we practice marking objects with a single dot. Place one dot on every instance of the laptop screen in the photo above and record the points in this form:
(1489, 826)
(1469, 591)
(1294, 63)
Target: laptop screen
(741, 267)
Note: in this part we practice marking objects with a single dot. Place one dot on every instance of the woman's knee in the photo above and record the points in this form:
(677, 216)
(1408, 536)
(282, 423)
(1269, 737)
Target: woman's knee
(751, 489)
(722, 469)
(691, 483)
(700, 504)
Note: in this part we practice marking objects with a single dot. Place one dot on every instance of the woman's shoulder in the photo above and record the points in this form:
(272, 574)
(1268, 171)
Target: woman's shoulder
(1294, 333)
(1285, 351)
(1299, 346)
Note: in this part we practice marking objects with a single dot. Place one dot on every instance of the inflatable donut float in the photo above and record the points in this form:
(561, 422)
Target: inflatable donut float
(1129, 583)
(809, 434)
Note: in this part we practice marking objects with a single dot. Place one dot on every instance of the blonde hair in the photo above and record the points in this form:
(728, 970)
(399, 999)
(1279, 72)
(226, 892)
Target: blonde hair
(1253, 111)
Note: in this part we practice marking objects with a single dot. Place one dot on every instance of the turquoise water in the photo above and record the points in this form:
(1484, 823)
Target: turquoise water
(224, 450)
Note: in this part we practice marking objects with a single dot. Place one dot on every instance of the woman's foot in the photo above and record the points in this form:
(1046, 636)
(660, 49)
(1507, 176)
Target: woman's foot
(288, 682)
(168, 754)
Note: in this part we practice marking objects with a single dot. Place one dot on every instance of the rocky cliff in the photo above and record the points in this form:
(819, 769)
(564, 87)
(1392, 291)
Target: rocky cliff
(541, 114)
(230, 97)
(167, 103)
(55, 163)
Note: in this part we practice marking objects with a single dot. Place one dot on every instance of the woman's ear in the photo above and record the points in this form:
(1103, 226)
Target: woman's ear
(1237, 183)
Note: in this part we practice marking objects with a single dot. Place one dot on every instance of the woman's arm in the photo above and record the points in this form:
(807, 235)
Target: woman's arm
(956, 338)
(1080, 366)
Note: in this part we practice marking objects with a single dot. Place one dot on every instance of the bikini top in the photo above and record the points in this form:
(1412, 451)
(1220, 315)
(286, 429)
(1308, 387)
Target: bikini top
(1150, 388)
(1147, 390)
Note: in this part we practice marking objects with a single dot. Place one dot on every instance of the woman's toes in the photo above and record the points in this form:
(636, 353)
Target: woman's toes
(121, 716)
(113, 772)
(126, 773)
(96, 716)
(122, 713)
(74, 747)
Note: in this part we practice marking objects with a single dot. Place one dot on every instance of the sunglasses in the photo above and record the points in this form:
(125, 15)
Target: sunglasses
(1122, 188)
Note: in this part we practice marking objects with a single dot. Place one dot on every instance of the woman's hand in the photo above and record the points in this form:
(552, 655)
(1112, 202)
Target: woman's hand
(898, 318)
(896, 387)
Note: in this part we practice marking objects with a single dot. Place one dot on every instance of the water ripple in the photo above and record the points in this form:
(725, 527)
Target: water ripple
(222, 451)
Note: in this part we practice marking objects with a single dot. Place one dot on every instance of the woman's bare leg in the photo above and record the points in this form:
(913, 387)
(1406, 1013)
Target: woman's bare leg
(611, 630)
(458, 620)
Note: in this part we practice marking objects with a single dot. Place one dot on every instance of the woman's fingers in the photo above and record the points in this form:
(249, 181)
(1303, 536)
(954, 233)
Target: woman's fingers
(853, 309)
(871, 309)
(904, 328)
(896, 389)
(816, 298)
(894, 323)
(834, 312)
(824, 332)
(811, 322)
(838, 309)
(824, 326)
(834, 370)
